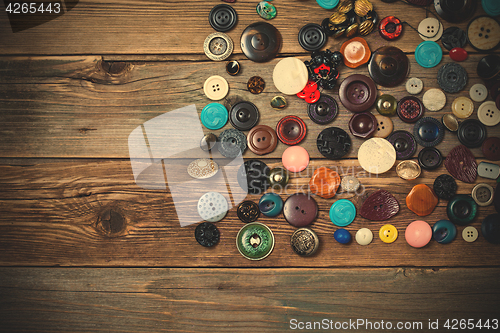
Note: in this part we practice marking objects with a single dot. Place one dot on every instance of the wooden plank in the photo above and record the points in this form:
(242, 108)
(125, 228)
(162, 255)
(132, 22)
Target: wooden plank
(239, 300)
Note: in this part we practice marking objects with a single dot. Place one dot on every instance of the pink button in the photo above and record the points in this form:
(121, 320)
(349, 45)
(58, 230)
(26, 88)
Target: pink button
(295, 159)
(418, 234)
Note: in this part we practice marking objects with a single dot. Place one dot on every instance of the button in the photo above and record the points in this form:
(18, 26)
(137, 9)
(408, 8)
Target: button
(248, 211)
(444, 231)
(390, 28)
(278, 178)
(384, 126)
(420, 2)
(208, 142)
(222, 17)
(462, 107)
(324, 182)
(450, 122)
(434, 99)
(452, 77)
(244, 116)
(490, 228)
(428, 54)
(491, 149)
(304, 242)
(215, 88)
(324, 110)
(430, 29)
(233, 67)
(212, 206)
(470, 234)
(342, 236)
(323, 66)
(262, 140)
(356, 52)
(489, 66)
(428, 132)
(445, 187)
(458, 54)
(488, 113)
(328, 4)
(483, 194)
(408, 170)
(453, 37)
(488, 170)
(253, 176)
(214, 116)
(278, 102)
(388, 233)
(333, 143)
(421, 200)
(379, 206)
(310, 87)
(202, 168)
(255, 241)
(389, 66)
(453, 11)
(364, 236)
(410, 109)
(461, 209)
(418, 234)
(430, 158)
(312, 37)
(342, 212)
(376, 155)
(266, 10)
(290, 76)
(461, 164)
(471, 133)
(270, 204)
(232, 143)
(363, 125)
(256, 85)
(386, 105)
(404, 143)
(295, 159)
(350, 184)
(491, 7)
(357, 93)
(218, 46)
(260, 42)
(291, 130)
(207, 234)
(300, 209)
(414, 86)
(483, 33)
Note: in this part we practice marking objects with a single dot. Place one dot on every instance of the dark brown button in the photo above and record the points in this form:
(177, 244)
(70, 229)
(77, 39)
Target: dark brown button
(256, 84)
(262, 140)
(379, 206)
(300, 210)
(410, 109)
(363, 125)
(491, 149)
(388, 66)
(260, 41)
(461, 164)
(244, 116)
(357, 93)
(291, 130)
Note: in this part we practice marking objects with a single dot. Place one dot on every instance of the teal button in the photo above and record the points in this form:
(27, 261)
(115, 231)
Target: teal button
(491, 7)
(214, 116)
(270, 204)
(342, 212)
(328, 4)
(444, 231)
(428, 54)
(461, 209)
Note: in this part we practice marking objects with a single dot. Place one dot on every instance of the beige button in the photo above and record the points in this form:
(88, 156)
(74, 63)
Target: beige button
(483, 194)
(470, 234)
(430, 29)
(377, 155)
(290, 75)
(434, 99)
(408, 170)
(216, 88)
(202, 168)
(478, 92)
(484, 33)
(414, 85)
(364, 236)
(462, 107)
(384, 126)
(488, 113)
(218, 46)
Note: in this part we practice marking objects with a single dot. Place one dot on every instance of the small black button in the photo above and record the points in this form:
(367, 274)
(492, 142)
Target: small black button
(404, 143)
(207, 234)
(454, 37)
(233, 67)
(312, 37)
(254, 176)
(445, 187)
(248, 211)
(491, 228)
(222, 17)
(430, 158)
(333, 143)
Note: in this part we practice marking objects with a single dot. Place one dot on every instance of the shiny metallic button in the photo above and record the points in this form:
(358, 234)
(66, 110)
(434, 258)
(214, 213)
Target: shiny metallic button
(212, 207)
(270, 204)
(470, 234)
(483, 33)
(248, 211)
(290, 75)
(450, 122)
(208, 141)
(434, 99)
(202, 168)
(364, 236)
(488, 170)
(342, 212)
(278, 178)
(260, 41)
(218, 46)
(483, 194)
(418, 234)
(278, 102)
(488, 113)
(443, 231)
(408, 170)
(414, 85)
(388, 233)
(304, 242)
(462, 107)
(233, 67)
(386, 105)
(215, 87)
(430, 29)
(300, 210)
(376, 155)
(384, 126)
(255, 241)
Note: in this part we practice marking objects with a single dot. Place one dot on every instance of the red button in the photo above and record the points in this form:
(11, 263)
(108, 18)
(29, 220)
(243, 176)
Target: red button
(313, 97)
(458, 54)
(491, 148)
(310, 87)
(410, 109)
(390, 28)
(291, 130)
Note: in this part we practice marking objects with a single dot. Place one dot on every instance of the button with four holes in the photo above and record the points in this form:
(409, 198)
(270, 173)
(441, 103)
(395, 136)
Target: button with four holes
(218, 46)
(222, 17)
(470, 234)
(483, 33)
(430, 29)
(357, 93)
(483, 194)
(312, 37)
(488, 114)
(216, 87)
(491, 148)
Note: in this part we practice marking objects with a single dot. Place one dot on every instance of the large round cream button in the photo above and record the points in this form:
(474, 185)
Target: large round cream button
(290, 75)
(364, 236)
(430, 29)
(434, 99)
(488, 113)
(462, 107)
(216, 87)
(377, 155)
(470, 234)
(478, 92)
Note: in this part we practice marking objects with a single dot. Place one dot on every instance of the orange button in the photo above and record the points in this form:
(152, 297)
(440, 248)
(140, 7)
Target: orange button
(356, 52)
(421, 200)
(324, 182)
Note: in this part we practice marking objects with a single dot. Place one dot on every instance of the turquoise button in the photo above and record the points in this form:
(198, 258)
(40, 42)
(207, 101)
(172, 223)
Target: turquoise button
(214, 116)
(342, 212)
(491, 7)
(328, 4)
(270, 204)
(428, 54)
(444, 231)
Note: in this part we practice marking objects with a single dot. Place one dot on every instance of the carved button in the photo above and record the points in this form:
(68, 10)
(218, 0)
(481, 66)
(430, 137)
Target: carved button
(376, 155)
(450, 122)
(215, 88)
(218, 46)
(278, 178)
(408, 170)
(356, 52)
(324, 182)
(421, 200)
(253, 176)
(379, 206)
(453, 37)
(453, 11)
(470, 234)
(350, 184)
(443, 231)
(291, 130)
(491, 149)
(256, 85)
(418, 234)
(333, 143)
(388, 233)
(434, 99)
(488, 114)
(362, 125)
(428, 54)
(430, 29)
(202, 168)
(461, 164)
(364, 236)
(471, 133)
(312, 37)
(461, 209)
(262, 140)
(232, 143)
(430, 158)
(445, 187)
(255, 241)
(324, 110)
(270, 204)
(390, 28)
(208, 142)
(388, 66)
(222, 17)
(428, 132)
(404, 144)
(357, 93)
(260, 41)
(212, 207)
(207, 234)
(410, 109)
(342, 212)
(386, 105)
(233, 67)
(300, 210)
(244, 116)
(452, 77)
(214, 116)
(295, 159)
(414, 85)
(384, 126)
(490, 228)
(483, 194)
(290, 75)
(483, 33)
(248, 211)
(462, 107)
(304, 242)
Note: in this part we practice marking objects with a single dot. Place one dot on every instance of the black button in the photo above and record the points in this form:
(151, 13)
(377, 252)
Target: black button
(454, 37)
(489, 66)
(471, 133)
(430, 158)
(428, 132)
(333, 143)
(445, 187)
(207, 234)
(312, 37)
(324, 110)
(233, 67)
(222, 17)
(491, 228)
(404, 143)
(244, 116)
(388, 66)
(260, 41)
(452, 77)
(248, 211)
(254, 176)
(455, 10)
(496, 198)
(232, 142)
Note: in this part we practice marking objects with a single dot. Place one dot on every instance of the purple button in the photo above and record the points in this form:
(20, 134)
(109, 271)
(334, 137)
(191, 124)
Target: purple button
(357, 93)
(300, 210)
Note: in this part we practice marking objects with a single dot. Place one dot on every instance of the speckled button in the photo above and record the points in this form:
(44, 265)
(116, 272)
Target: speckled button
(324, 110)
(488, 113)
(256, 85)
(386, 105)
(300, 209)
(357, 93)
(389, 66)
(333, 143)
(207, 234)
(410, 109)
(244, 115)
(452, 77)
(461, 164)
(428, 132)
(342, 212)
(404, 144)
(443, 231)
(255, 241)
(232, 143)
(471, 133)
(212, 206)
(430, 158)
(350, 184)
(218, 46)
(490, 228)
(290, 75)
(461, 209)
(491, 149)
(418, 234)
(483, 194)
(384, 126)
(434, 99)
(408, 170)
(260, 41)
(262, 140)
(270, 204)
(248, 211)
(202, 168)
(215, 87)
(214, 116)
(295, 159)
(304, 242)
(462, 107)
(364, 236)
(388, 233)
(483, 33)
(470, 234)
(363, 125)
(414, 85)
(428, 54)
(291, 130)
(376, 155)
(430, 29)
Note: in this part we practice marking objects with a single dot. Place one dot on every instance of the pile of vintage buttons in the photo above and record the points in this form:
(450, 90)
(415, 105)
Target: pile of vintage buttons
(388, 66)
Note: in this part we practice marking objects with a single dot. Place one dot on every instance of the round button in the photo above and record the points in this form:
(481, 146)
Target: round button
(418, 234)
(428, 54)
(488, 67)
(324, 182)
(384, 126)
(430, 29)
(444, 231)
(357, 93)
(270, 204)
(470, 234)
(364, 236)
(356, 52)
(304, 242)
(266, 10)
(376, 155)
(207, 234)
(244, 116)
(452, 77)
(216, 87)
(295, 159)
(410, 109)
(300, 210)
(214, 116)
(414, 85)
(256, 85)
(428, 132)
(491, 7)
(453, 37)
(248, 211)
(278, 102)
(461, 164)
(233, 67)
(328, 4)
(483, 33)
(434, 99)
(342, 236)
(333, 143)
(202, 168)
(408, 170)
(420, 2)
(255, 241)
(483, 194)
(471, 133)
(386, 105)
(445, 187)
(450, 122)
(262, 140)
(290, 76)
(430, 158)
(490, 228)
(342, 212)
(324, 110)
(208, 142)
(461, 209)
(212, 207)
(232, 143)
(291, 130)
(363, 125)
(491, 149)
(462, 107)
(253, 176)
(312, 37)
(260, 41)
(222, 17)
(494, 90)
(278, 178)
(404, 144)
(488, 113)
(350, 184)
(388, 233)
(218, 46)
(388, 66)
(390, 28)
(455, 11)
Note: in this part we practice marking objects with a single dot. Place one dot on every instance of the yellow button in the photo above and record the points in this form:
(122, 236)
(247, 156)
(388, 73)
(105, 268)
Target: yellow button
(462, 107)
(388, 233)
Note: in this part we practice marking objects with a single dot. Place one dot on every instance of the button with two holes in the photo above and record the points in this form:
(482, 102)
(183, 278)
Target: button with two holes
(428, 132)
(244, 116)
(270, 204)
(291, 130)
(404, 143)
(324, 110)
(471, 133)
(262, 140)
(300, 210)
(443, 231)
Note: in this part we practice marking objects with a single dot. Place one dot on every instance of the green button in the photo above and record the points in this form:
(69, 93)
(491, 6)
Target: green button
(255, 241)
(270, 204)
(462, 209)
(386, 105)
(278, 178)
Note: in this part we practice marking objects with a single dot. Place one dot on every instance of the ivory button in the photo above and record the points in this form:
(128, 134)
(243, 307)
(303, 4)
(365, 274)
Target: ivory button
(377, 155)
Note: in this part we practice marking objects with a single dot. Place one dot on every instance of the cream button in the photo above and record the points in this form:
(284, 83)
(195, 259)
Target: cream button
(364, 236)
(202, 168)
(478, 92)
(470, 234)
(488, 113)
(462, 107)
(216, 88)
(377, 155)
(384, 126)
(434, 99)
(414, 85)
(430, 29)
(290, 75)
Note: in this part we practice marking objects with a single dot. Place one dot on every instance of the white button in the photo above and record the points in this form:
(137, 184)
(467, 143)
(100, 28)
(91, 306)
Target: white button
(470, 234)
(364, 236)
(216, 87)
(430, 29)
(377, 155)
(212, 207)
(462, 107)
(202, 168)
(434, 99)
(414, 85)
(488, 113)
(478, 92)
(290, 75)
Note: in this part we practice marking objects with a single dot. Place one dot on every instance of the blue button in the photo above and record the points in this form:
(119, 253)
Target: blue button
(428, 54)
(342, 212)
(270, 204)
(444, 231)
(214, 116)
(491, 7)
(342, 236)
(428, 131)
(328, 4)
